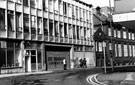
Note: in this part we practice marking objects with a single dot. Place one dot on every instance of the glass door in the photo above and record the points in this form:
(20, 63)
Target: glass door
(33, 60)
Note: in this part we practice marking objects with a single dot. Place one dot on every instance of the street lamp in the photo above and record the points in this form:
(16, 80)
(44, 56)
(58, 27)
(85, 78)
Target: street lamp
(104, 45)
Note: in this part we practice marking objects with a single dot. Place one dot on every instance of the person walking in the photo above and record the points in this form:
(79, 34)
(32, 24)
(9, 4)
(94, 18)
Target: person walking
(81, 63)
(64, 64)
(84, 63)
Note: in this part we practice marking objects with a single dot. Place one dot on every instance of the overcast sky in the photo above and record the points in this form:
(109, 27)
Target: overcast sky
(100, 3)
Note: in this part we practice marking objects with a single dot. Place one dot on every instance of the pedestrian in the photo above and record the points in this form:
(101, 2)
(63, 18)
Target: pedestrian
(81, 63)
(64, 64)
(84, 63)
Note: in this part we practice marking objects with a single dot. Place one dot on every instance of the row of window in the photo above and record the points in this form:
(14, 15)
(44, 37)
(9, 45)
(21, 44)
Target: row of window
(59, 6)
(128, 50)
(50, 27)
(119, 34)
(82, 48)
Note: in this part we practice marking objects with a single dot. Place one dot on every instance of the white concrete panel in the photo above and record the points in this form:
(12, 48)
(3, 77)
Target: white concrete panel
(90, 58)
(19, 7)
(11, 6)
(119, 17)
(124, 17)
(33, 11)
(2, 4)
(130, 16)
(39, 13)
(26, 10)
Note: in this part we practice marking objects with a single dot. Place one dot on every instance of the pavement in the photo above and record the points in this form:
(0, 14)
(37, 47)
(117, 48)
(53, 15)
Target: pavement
(75, 76)
(21, 74)
(118, 78)
(39, 72)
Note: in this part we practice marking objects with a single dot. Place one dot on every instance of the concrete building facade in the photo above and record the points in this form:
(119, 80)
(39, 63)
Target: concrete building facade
(36, 35)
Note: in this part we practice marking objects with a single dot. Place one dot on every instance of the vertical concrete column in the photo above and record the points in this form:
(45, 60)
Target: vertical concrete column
(72, 57)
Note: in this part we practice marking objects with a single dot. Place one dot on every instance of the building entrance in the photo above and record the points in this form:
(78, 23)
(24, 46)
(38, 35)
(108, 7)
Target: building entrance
(32, 61)
(55, 56)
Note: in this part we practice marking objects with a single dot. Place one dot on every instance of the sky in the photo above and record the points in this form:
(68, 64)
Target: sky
(100, 3)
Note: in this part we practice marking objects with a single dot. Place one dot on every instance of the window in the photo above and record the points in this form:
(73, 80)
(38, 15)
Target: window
(119, 34)
(39, 4)
(65, 30)
(11, 54)
(70, 10)
(61, 7)
(18, 22)
(56, 28)
(26, 2)
(70, 31)
(73, 12)
(84, 15)
(33, 3)
(2, 19)
(26, 23)
(56, 6)
(77, 12)
(133, 37)
(45, 5)
(39, 25)
(82, 32)
(116, 50)
(130, 50)
(74, 32)
(78, 33)
(124, 35)
(33, 24)
(85, 33)
(51, 5)
(119, 50)
(65, 8)
(133, 50)
(61, 29)
(129, 35)
(109, 32)
(125, 51)
(100, 46)
(110, 46)
(10, 20)
(50, 27)
(114, 33)
(45, 26)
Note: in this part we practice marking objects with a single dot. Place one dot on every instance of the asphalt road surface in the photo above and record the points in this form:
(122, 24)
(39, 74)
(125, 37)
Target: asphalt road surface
(67, 77)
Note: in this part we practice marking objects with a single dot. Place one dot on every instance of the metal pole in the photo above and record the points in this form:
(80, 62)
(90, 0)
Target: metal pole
(111, 59)
(104, 57)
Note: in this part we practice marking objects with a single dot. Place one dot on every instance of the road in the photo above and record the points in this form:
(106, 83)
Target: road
(67, 77)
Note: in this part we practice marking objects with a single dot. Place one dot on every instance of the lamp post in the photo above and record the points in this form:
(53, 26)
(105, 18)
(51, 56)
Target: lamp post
(104, 45)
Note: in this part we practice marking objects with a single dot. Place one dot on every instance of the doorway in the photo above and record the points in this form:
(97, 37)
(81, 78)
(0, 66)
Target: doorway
(31, 60)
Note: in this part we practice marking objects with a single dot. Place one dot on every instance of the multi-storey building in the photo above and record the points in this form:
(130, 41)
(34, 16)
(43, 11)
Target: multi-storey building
(113, 41)
(125, 16)
(37, 35)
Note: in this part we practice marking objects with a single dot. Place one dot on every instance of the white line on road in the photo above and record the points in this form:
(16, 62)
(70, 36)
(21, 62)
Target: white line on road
(90, 81)
(57, 80)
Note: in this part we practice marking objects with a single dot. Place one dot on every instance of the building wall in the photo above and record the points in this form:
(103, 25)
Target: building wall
(122, 6)
(34, 23)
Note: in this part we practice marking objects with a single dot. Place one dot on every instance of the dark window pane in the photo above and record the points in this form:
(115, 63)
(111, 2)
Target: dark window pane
(2, 57)
(10, 44)
(10, 57)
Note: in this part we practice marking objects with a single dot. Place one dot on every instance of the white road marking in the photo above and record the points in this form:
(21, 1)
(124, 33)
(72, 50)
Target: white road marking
(129, 76)
(71, 76)
(57, 80)
(90, 81)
